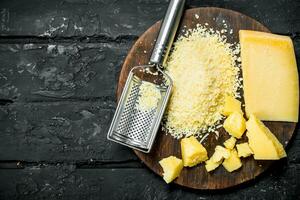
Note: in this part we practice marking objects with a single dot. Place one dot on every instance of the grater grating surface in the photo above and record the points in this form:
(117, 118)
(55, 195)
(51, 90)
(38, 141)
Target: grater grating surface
(131, 125)
(135, 123)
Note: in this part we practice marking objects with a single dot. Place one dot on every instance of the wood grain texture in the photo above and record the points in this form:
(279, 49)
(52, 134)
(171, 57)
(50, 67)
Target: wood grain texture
(165, 145)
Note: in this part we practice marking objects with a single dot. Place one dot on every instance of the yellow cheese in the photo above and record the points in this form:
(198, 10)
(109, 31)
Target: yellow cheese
(271, 88)
(244, 150)
(263, 143)
(192, 152)
(235, 124)
(172, 167)
(203, 70)
(233, 162)
(229, 144)
(149, 96)
(211, 165)
(219, 154)
(231, 105)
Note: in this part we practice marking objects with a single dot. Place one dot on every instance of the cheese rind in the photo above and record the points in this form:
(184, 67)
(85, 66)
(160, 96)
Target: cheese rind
(270, 76)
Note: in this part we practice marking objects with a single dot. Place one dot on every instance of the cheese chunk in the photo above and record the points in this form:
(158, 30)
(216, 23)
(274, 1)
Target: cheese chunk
(211, 165)
(229, 144)
(233, 162)
(172, 167)
(231, 105)
(192, 152)
(271, 88)
(219, 154)
(263, 143)
(244, 150)
(235, 124)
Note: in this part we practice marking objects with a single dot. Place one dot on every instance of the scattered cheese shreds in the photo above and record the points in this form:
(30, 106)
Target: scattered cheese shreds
(149, 96)
(204, 69)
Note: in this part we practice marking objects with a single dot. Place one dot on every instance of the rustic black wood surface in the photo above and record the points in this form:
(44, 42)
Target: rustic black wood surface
(59, 65)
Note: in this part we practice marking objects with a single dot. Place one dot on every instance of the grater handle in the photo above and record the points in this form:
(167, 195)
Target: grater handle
(167, 32)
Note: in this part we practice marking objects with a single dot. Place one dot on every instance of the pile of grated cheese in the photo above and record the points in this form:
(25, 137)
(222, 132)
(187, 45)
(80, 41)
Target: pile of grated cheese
(149, 96)
(204, 69)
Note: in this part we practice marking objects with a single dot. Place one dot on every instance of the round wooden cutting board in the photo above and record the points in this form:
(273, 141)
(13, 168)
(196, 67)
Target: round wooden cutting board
(164, 146)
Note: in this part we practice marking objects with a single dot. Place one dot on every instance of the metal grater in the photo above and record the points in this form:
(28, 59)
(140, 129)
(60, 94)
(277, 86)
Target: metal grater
(132, 126)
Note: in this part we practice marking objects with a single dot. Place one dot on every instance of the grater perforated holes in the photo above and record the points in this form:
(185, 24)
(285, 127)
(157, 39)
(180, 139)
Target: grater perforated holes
(134, 123)
(141, 125)
(131, 125)
(128, 113)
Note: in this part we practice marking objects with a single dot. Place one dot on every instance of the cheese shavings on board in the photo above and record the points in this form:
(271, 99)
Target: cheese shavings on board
(204, 69)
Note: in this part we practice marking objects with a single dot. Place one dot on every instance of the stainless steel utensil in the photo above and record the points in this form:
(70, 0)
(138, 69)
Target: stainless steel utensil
(135, 127)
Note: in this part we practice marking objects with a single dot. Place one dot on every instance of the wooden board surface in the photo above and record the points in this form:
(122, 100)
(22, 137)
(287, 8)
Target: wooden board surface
(165, 145)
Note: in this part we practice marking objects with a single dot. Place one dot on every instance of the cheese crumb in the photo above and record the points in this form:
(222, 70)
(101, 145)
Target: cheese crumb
(149, 96)
(204, 69)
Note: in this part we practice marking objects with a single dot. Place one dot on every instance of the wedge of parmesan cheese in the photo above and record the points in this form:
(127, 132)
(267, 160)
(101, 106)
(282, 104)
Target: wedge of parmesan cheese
(271, 86)
(262, 141)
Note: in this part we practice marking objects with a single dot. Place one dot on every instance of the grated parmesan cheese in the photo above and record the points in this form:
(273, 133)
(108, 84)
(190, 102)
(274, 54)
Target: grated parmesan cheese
(149, 96)
(204, 68)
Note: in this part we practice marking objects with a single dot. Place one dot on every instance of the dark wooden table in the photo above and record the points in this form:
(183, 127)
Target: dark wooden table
(59, 65)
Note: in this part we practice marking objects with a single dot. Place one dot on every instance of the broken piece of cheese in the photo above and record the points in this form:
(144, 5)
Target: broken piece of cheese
(231, 105)
(235, 124)
(172, 167)
(192, 152)
(219, 154)
(233, 162)
(264, 144)
(210, 165)
(271, 88)
(217, 158)
(230, 143)
(244, 150)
